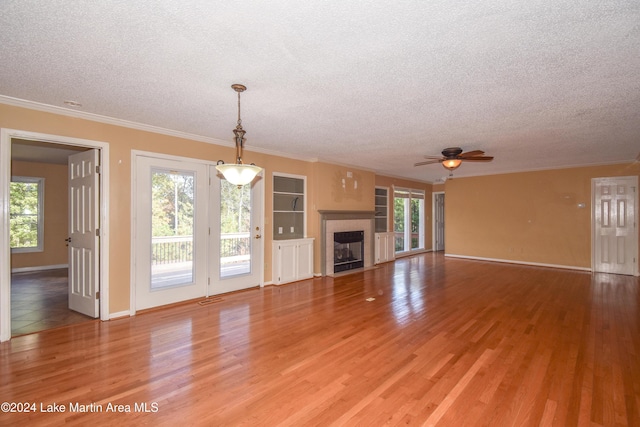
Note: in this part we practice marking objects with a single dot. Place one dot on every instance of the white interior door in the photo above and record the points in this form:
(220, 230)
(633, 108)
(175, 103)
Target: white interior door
(84, 232)
(615, 226)
(171, 206)
(236, 234)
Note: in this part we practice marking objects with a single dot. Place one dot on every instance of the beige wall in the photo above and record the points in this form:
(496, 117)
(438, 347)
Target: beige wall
(529, 217)
(55, 215)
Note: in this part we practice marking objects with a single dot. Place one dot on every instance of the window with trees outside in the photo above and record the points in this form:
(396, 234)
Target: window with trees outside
(408, 219)
(26, 214)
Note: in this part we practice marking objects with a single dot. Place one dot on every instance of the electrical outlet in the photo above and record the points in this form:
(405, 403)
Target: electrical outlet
(279, 230)
(292, 229)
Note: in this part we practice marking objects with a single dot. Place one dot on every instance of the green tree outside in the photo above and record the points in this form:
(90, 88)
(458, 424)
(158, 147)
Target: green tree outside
(23, 214)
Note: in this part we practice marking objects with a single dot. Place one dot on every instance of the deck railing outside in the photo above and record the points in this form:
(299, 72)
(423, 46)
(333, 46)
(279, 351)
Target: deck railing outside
(179, 249)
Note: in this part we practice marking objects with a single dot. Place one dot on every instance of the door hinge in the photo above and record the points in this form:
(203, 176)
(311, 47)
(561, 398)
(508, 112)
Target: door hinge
(98, 169)
(98, 295)
(97, 232)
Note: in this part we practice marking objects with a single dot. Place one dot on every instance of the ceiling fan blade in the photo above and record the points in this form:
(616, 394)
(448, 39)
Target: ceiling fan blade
(471, 154)
(428, 162)
(478, 159)
(433, 157)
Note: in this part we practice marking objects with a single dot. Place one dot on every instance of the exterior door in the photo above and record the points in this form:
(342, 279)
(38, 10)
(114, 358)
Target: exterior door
(236, 234)
(615, 243)
(84, 232)
(170, 231)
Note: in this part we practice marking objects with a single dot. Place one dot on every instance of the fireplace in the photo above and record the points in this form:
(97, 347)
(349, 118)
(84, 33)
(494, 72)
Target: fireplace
(348, 250)
(337, 222)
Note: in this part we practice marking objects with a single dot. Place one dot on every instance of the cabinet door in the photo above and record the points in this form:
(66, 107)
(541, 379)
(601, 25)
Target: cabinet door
(287, 260)
(305, 260)
(379, 247)
(390, 243)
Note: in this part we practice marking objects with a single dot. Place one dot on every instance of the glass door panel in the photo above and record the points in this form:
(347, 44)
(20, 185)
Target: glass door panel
(417, 207)
(235, 229)
(170, 231)
(172, 224)
(399, 223)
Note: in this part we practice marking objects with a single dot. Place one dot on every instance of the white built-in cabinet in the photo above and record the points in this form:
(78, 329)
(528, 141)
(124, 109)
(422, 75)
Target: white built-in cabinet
(384, 247)
(292, 260)
(384, 244)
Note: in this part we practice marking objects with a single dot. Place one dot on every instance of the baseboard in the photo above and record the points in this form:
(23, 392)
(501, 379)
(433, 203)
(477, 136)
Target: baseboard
(119, 314)
(509, 261)
(39, 268)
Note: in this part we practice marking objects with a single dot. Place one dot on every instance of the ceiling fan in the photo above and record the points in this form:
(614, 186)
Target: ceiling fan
(453, 157)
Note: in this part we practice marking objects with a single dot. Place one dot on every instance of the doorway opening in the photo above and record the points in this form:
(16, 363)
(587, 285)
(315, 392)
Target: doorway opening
(39, 281)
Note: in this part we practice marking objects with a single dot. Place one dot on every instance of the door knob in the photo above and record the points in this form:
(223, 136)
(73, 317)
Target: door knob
(258, 236)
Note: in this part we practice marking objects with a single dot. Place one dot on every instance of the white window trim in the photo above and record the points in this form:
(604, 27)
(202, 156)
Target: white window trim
(40, 181)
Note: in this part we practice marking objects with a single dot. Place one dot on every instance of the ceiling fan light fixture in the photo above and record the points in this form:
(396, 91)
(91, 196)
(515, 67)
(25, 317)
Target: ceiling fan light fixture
(451, 164)
(238, 173)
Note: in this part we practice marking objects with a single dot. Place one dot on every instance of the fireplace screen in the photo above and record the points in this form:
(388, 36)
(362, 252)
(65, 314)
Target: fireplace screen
(348, 250)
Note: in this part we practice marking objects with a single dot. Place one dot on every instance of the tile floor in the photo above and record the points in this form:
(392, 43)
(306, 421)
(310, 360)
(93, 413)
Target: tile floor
(39, 301)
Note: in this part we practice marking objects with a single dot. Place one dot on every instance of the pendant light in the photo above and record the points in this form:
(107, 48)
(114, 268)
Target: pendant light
(238, 173)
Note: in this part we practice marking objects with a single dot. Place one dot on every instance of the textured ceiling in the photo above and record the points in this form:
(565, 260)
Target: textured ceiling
(537, 84)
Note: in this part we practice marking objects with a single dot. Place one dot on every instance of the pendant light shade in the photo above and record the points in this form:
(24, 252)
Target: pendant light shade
(238, 173)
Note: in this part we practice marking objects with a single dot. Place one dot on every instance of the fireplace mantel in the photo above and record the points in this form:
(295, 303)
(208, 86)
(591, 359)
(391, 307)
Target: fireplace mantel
(342, 215)
(332, 221)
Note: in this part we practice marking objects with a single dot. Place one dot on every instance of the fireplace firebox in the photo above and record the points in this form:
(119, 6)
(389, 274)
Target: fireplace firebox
(348, 250)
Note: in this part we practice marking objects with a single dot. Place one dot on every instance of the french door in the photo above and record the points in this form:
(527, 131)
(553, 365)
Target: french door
(236, 234)
(195, 234)
(171, 231)
(408, 219)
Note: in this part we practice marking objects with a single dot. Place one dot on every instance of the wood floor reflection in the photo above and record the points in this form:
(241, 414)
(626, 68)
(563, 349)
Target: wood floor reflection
(422, 341)
(39, 301)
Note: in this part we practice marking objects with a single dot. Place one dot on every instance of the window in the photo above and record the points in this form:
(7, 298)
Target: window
(408, 219)
(26, 214)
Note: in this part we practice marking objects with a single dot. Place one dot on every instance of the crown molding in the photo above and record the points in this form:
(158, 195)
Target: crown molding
(47, 108)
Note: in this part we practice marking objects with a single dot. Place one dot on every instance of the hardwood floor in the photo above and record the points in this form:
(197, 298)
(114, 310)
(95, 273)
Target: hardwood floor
(40, 300)
(446, 342)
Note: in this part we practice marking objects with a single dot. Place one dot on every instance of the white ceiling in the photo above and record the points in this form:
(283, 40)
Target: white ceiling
(537, 84)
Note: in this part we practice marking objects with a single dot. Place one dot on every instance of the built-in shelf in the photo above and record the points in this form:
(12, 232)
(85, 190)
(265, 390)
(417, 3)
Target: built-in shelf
(288, 207)
(381, 209)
